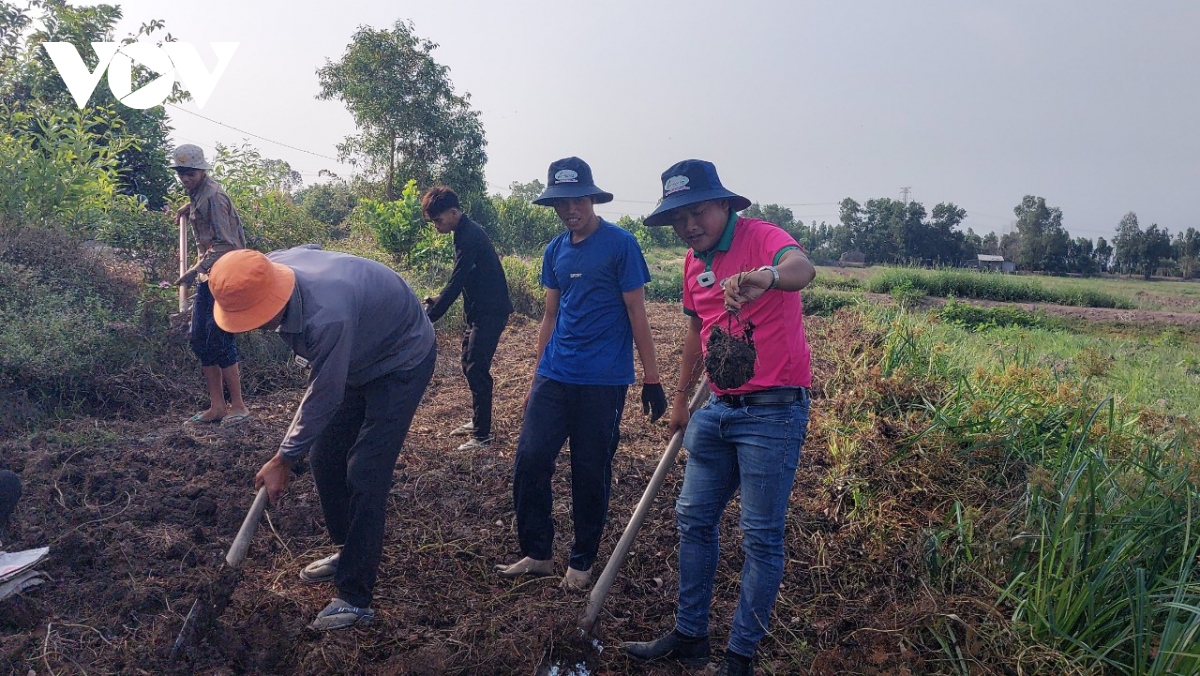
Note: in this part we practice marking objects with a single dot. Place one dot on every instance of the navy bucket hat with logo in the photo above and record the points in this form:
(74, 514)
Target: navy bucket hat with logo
(689, 182)
(570, 177)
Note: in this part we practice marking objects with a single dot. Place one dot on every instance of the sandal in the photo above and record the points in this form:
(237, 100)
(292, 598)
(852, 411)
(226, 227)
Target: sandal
(199, 419)
(235, 419)
(321, 570)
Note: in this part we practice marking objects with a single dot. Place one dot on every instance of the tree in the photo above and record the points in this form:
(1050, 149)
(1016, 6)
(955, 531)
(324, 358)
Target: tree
(1103, 254)
(1081, 256)
(412, 124)
(990, 244)
(329, 202)
(30, 83)
(1043, 241)
(1187, 252)
(944, 244)
(1009, 246)
(1128, 245)
(1156, 246)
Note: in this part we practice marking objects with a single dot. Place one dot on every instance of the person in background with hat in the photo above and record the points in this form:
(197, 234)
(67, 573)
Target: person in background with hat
(479, 277)
(217, 229)
(364, 334)
(594, 274)
(746, 437)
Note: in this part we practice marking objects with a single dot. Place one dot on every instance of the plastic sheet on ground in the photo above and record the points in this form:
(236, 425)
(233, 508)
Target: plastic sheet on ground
(16, 570)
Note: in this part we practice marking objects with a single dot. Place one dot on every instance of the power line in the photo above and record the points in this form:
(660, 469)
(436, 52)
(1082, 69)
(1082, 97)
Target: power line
(261, 138)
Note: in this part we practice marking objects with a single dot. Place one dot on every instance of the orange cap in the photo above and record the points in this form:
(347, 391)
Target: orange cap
(249, 289)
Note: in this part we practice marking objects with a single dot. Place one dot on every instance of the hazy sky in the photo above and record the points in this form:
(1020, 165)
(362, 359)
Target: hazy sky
(1094, 105)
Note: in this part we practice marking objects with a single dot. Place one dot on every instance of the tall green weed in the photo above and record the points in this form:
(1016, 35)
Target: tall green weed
(989, 286)
(1099, 560)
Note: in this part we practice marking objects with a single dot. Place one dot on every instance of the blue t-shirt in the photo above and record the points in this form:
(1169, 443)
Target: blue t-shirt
(592, 343)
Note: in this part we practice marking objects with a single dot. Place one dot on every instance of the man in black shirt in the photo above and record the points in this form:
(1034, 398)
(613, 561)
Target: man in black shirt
(479, 276)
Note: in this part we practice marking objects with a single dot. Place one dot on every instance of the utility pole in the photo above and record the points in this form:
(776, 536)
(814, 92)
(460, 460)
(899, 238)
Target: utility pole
(904, 193)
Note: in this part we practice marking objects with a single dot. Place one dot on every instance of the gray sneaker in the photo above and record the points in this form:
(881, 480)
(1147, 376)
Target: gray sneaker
(341, 615)
(321, 570)
(463, 430)
(475, 444)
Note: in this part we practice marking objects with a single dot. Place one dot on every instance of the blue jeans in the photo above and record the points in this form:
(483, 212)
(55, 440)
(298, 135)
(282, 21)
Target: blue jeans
(757, 449)
(590, 416)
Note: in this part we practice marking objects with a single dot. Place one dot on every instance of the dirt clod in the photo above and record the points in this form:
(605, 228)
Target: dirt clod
(729, 359)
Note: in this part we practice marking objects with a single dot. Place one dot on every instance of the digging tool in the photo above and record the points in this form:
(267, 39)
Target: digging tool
(216, 596)
(183, 262)
(241, 543)
(604, 583)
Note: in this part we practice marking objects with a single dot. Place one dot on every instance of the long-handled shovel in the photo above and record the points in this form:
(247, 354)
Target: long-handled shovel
(600, 591)
(211, 603)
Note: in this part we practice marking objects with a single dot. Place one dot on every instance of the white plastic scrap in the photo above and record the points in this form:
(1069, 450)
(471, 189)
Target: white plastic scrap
(16, 574)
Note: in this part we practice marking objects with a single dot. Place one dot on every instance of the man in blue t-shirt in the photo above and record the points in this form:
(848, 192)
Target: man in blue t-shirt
(594, 274)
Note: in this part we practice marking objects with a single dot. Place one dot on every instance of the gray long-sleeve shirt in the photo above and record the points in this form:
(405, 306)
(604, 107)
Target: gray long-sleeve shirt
(353, 320)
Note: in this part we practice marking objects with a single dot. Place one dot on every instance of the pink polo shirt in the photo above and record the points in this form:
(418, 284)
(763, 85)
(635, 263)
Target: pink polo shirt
(783, 356)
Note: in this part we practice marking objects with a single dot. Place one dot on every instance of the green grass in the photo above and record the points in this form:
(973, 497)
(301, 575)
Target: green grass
(1161, 373)
(1180, 296)
(1096, 559)
(991, 286)
(1157, 294)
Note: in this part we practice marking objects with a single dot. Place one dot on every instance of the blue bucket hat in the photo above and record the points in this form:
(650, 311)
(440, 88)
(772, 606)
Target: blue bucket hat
(689, 182)
(570, 177)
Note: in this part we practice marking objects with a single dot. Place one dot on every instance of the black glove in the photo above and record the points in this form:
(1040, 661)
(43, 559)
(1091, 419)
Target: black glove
(654, 400)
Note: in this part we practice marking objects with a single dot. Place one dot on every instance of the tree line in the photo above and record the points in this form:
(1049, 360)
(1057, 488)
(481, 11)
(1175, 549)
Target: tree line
(890, 231)
(102, 170)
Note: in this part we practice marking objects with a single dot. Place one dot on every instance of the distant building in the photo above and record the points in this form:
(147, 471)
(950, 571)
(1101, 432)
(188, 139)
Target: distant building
(853, 259)
(994, 263)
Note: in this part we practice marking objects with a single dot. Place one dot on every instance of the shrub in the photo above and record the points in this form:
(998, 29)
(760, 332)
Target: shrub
(59, 168)
(522, 227)
(258, 189)
(974, 318)
(397, 225)
(70, 332)
(148, 238)
(906, 295)
(822, 302)
(525, 285)
(75, 335)
(837, 283)
(666, 285)
(329, 203)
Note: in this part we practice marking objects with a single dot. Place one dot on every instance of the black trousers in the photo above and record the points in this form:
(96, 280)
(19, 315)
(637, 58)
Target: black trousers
(590, 417)
(353, 461)
(480, 338)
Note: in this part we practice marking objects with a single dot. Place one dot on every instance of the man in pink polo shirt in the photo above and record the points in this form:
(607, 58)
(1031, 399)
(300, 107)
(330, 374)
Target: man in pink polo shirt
(738, 272)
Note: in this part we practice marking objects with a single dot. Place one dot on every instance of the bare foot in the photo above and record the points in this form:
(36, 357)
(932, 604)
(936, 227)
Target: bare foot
(526, 566)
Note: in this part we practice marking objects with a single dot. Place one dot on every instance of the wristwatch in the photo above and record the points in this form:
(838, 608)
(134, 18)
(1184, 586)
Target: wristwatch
(774, 275)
